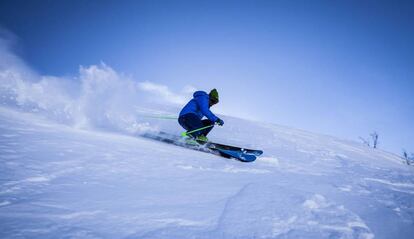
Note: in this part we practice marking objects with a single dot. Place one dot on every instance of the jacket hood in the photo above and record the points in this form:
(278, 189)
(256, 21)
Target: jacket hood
(199, 93)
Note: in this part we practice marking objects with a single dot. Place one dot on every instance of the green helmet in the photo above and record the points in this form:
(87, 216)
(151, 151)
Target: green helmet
(214, 97)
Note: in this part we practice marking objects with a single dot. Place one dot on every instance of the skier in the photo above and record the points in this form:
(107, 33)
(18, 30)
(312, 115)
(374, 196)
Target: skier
(191, 115)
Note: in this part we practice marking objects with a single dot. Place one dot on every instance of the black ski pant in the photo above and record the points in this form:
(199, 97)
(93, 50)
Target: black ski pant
(191, 122)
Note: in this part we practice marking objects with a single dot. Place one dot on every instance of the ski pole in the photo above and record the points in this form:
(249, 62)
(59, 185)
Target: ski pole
(192, 131)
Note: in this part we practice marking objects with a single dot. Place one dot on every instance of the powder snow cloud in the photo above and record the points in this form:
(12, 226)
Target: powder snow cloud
(98, 96)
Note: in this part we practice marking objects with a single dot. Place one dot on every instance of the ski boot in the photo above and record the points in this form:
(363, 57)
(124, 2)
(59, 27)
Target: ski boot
(202, 139)
(191, 140)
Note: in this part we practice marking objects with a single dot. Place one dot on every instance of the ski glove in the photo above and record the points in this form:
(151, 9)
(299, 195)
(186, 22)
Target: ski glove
(219, 121)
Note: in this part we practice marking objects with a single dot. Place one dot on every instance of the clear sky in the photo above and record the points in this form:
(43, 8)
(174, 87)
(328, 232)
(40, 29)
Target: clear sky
(344, 68)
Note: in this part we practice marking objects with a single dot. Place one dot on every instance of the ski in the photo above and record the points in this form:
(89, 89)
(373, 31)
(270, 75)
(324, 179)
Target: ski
(255, 152)
(227, 151)
(239, 155)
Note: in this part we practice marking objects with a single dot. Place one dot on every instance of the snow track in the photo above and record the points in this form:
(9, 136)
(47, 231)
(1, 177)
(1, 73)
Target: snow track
(60, 182)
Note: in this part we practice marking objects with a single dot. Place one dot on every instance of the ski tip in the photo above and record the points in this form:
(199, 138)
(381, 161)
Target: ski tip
(258, 152)
(248, 158)
(237, 155)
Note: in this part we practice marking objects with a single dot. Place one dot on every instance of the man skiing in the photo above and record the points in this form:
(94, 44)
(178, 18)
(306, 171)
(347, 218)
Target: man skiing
(191, 115)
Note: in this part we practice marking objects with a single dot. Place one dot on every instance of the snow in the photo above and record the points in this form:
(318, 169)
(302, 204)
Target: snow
(59, 181)
(73, 165)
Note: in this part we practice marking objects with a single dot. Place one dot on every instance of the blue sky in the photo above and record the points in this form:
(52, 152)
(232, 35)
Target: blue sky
(344, 68)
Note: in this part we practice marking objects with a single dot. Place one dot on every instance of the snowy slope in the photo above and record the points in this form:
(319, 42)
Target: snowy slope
(61, 182)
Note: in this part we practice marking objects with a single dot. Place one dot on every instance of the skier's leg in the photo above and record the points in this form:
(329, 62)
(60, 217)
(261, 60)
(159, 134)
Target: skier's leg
(207, 122)
(182, 122)
(191, 122)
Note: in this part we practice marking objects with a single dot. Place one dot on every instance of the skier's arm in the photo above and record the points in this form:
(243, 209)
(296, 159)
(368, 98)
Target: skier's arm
(203, 103)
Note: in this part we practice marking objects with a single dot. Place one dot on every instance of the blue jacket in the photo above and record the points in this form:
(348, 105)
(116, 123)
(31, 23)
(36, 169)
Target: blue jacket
(199, 106)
